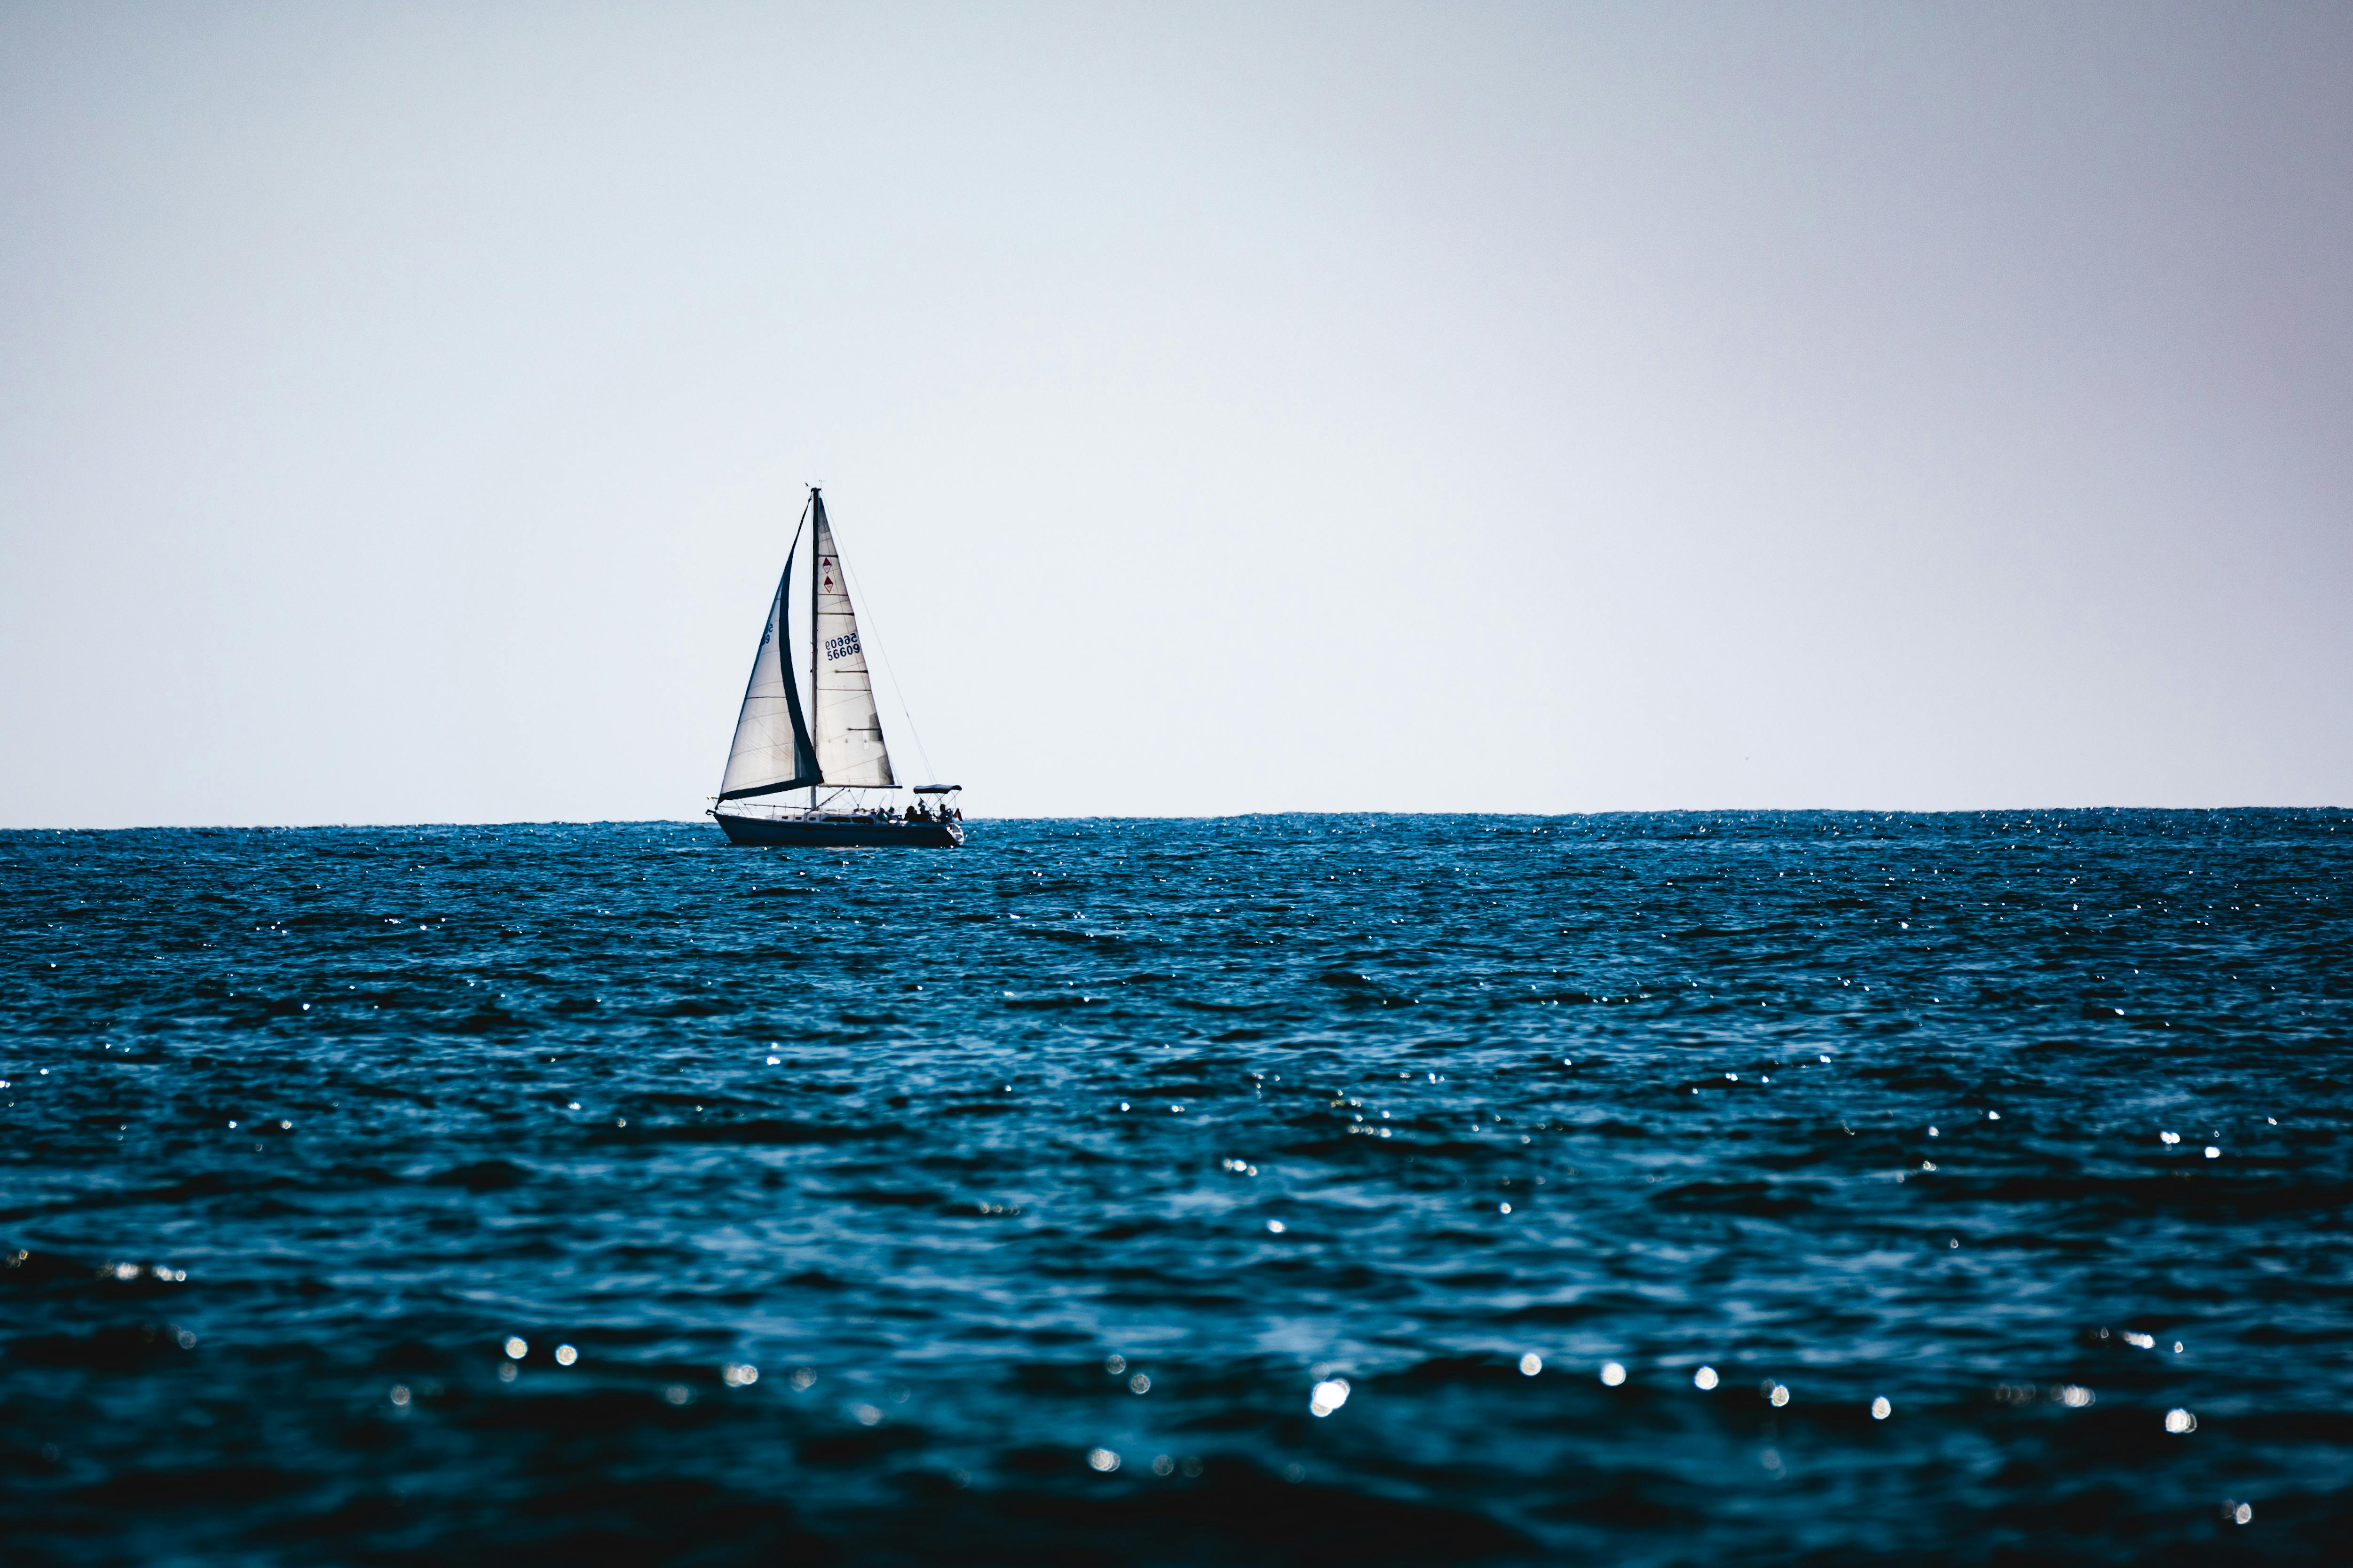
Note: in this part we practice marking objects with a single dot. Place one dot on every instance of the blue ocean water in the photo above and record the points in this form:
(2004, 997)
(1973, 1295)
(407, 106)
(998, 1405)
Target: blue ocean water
(537, 1193)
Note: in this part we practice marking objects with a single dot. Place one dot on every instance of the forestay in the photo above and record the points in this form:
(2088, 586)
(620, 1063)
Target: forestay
(847, 728)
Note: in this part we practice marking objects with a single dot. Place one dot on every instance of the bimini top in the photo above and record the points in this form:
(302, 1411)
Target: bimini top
(937, 789)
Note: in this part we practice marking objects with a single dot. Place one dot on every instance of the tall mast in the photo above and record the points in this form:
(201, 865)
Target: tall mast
(817, 520)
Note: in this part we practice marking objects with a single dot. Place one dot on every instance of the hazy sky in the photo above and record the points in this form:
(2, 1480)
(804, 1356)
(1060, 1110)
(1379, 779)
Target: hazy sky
(404, 409)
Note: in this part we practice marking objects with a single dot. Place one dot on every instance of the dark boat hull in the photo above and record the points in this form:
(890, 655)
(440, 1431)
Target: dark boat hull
(838, 833)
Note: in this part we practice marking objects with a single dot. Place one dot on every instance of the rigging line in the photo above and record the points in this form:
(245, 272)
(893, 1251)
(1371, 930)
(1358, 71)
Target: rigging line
(892, 670)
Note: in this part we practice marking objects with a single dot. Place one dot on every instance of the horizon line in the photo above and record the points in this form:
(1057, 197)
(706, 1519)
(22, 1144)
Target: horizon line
(1883, 813)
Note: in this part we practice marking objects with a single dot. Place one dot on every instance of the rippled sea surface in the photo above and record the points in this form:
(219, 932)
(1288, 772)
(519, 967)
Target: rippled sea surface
(1010, 1205)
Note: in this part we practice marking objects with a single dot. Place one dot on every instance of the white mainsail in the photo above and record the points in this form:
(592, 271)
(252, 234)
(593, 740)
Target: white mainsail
(844, 724)
(772, 749)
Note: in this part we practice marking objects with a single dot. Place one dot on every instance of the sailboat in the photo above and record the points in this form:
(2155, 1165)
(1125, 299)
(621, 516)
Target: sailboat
(834, 750)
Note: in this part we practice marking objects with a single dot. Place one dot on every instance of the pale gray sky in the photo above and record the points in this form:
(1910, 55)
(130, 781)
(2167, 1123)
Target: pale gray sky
(404, 409)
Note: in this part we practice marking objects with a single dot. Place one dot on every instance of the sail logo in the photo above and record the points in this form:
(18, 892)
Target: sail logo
(841, 646)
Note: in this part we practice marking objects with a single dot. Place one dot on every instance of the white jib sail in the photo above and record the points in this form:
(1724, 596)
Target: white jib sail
(766, 754)
(844, 725)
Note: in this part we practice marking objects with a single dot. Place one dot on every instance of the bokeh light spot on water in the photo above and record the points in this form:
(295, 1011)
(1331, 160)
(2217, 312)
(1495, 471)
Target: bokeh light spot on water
(734, 1375)
(2139, 1340)
(866, 1415)
(1612, 1374)
(2178, 1421)
(516, 1347)
(1882, 1408)
(1704, 1378)
(801, 1378)
(1139, 1384)
(2241, 1514)
(1777, 1395)
(678, 1394)
(1114, 1363)
(1274, 1226)
(2074, 1395)
(1103, 1460)
(2212, 1152)
(1327, 1396)
(1531, 1363)
(399, 1394)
